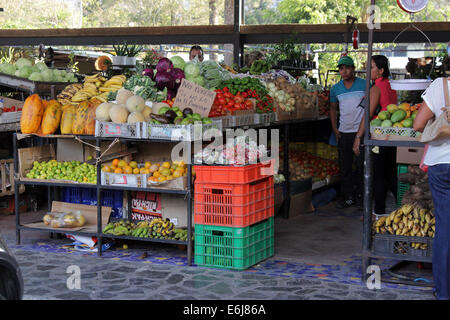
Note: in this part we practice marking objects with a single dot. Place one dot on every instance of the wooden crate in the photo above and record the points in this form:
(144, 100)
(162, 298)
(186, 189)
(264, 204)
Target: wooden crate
(7, 178)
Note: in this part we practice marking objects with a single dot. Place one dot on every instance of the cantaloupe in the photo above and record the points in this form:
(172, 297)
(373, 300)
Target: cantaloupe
(135, 117)
(123, 95)
(102, 112)
(146, 113)
(118, 113)
(135, 103)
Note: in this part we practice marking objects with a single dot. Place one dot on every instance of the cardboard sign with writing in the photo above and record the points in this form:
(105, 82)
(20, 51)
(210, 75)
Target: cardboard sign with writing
(191, 95)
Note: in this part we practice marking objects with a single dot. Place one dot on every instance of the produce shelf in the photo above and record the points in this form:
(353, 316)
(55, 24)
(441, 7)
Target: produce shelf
(111, 236)
(156, 190)
(79, 233)
(57, 184)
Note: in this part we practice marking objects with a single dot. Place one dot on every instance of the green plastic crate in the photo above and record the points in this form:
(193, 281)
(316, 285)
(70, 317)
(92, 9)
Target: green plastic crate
(233, 248)
(401, 187)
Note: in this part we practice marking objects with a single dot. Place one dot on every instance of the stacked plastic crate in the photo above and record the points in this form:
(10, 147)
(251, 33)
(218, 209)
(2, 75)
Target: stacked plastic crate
(233, 215)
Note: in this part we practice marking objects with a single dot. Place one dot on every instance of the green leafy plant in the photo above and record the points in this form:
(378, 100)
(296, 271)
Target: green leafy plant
(73, 65)
(7, 55)
(133, 50)
(120, 50)
(151, 58)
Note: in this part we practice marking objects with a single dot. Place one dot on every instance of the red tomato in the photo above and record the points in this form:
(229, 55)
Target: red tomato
(220, 95)
(222, 101)
(230, 104)
(248, 103)
(6, 109)
(13, 108)
(228, 94)
(238, 99)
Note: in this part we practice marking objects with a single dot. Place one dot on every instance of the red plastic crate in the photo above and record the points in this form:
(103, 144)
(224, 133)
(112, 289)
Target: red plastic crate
(233, 174)
(234, 205)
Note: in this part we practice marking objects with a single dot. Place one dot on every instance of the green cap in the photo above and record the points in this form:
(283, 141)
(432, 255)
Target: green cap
(346, 60)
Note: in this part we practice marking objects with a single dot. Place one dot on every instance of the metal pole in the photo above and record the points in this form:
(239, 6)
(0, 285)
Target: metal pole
(189, 204)
(367, 220)
(287, 200)
(99, 200)
(237, 44)
(16, 187)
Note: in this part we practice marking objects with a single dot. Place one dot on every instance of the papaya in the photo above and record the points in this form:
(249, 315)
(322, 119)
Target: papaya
(384, 115)
(392, 108)
(78, 125)
(398, 116)
(67, 119)
(407, 123)
(32, 112)
(375, 123)
(51, 118)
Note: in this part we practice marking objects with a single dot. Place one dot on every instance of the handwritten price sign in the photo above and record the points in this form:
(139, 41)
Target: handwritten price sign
(191, 95)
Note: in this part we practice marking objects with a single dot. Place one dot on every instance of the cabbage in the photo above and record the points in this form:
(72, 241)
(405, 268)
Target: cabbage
(35, 69)
(40, 66)
(9, 69)
(164, 64)
(198, 80)
(23, 62)
(47, 75)
(17, 74)
(35, 76)
(192, 69)
(178, 62)
(59, 79)
(25, 72)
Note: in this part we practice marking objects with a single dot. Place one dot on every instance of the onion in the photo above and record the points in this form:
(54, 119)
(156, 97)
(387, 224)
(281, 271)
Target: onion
(164, 65)
(178, 75)
(149, 73)
(164, 80)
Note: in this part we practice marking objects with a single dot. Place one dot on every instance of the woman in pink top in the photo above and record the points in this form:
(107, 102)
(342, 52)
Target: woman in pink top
(384, 162)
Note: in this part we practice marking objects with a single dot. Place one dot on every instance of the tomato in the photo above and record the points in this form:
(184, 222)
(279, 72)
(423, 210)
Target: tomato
(222, 101)
(13, 108)
(230, 104)
(242, 106)
(6, 109)
(228, 95)
(249, 104)
(238, 99)
(220, 95)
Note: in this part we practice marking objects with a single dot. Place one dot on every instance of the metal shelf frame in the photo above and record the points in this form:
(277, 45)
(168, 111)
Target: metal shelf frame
(367, 253)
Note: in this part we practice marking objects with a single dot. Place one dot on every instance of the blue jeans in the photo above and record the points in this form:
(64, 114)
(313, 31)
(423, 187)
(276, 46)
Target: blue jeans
(439, 179)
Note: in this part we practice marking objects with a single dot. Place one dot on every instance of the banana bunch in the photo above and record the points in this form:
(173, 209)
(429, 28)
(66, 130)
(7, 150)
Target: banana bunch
(120, 228)
(409, 220)
(181, 234)
(65, 97)
(96, 86)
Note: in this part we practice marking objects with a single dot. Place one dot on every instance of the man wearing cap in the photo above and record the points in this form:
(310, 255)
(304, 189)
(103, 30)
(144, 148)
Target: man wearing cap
(348, 94)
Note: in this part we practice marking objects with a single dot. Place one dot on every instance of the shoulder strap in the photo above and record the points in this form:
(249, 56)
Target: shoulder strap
(447, 100)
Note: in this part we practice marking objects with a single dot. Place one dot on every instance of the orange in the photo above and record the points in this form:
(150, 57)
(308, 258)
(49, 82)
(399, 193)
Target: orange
(118, 170)
(142, 170)
(136, 170)
(156, 174)
(166, 165)
(133, 164)
(115, 162)
(127, 170)
(153, 179)
(122, 163)
(113, 168)
(106, 169)
(146, 171)
(147, 164)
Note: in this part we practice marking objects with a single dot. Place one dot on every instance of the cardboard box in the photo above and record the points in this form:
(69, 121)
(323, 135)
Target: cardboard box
(408, 155)
(89, 212)
(301, 203)
(10, 117)
(174, 207)
(307, 113)
(28, 155)
(145, 206)
(7, 205)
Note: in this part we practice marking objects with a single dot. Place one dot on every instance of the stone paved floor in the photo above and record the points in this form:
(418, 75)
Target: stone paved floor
(45, 278)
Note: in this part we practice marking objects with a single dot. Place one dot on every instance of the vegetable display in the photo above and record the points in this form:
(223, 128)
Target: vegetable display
(145, 87)
(250, 87)
(225, 102)
(214, 74)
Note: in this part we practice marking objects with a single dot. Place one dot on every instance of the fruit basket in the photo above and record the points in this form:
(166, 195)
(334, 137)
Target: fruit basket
(410, 84)
(391, 133)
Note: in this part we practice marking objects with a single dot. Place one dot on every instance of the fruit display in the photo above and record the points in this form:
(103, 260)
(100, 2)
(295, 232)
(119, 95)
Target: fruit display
(10, 109)
(128, 108)
(24, 68)
(64, 219)
(98, 87)
(32, 112)
(419, 188)
(396, 116)
(290, 96)
(167, 113)
(159, 172)
(409, 220)
(75, 171)
(156, 229)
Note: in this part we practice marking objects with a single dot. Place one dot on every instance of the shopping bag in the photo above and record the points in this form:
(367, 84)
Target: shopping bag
(437, 130)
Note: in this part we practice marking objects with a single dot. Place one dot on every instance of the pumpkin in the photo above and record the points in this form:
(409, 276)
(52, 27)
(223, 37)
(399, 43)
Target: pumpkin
(102, 63)
(89, 127)
(32, 113)
(81, 115)
(67, 119)
(51, 118)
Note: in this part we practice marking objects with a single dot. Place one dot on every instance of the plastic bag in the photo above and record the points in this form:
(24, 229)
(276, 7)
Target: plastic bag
(64, 219)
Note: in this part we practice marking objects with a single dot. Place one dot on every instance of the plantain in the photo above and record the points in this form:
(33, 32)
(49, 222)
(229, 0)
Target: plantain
(405, 220)
(389, 229)
(428, 218)
(407, 208)
(398, 217)
(424, 246)
(380, 221)
(383, 230)
(401, 225)
(416, 214)
(377, 229)
(394, 227)
(410, 224)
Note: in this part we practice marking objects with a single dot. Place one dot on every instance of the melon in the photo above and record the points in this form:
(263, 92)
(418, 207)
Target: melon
(146, 113)
(123, 95)
(135, 103)
(135, 117)
(102, 112)
(118, 113)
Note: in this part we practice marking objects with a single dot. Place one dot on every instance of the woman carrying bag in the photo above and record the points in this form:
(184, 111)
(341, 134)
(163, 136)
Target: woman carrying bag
(436, 103)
